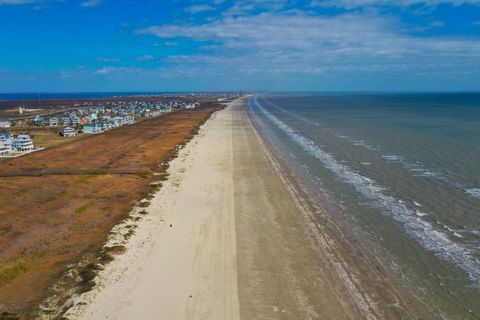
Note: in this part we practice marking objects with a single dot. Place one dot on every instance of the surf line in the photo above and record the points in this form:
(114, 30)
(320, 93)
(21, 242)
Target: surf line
(415, 168)
(418, 229)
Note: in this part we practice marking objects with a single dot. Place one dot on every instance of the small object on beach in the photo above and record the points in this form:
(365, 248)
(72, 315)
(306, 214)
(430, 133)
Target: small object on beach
(171, 225)
(190, 296)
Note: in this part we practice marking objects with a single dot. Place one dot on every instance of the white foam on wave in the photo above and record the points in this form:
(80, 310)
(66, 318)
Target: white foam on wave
(416, 168)
(421, 214)
(393, 158)
(361, 143)
(474, 192)
(358, 143)
(417, 228)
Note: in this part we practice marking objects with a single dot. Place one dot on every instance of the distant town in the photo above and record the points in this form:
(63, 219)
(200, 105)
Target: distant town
(30, 129)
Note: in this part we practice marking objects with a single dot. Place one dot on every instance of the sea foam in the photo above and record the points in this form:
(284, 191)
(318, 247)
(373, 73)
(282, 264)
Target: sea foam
(417, 168)
(475, 192)
(417, 228)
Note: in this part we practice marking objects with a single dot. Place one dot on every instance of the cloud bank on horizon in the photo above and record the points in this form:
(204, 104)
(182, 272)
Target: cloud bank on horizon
(95, 45)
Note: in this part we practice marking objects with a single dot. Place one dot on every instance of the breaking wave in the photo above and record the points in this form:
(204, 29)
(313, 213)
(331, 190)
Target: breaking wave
(422, 231)
(416, 168)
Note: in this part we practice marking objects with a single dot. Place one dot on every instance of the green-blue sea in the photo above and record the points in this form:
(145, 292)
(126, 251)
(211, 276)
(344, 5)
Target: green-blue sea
(402, 171)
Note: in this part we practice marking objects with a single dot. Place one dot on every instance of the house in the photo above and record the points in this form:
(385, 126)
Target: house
(66, 121)
(53, 121)
(22, 143)
(38, 120)
(116, 121)
(5, 136)
(5, 147)
(69, 132)
(75, 121)
(93, 117)
(166, 109)
(92, 128)
(128, 120)
(4, 124)
(106, 125)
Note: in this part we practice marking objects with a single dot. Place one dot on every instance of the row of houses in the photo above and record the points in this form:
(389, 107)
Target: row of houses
(56, 121)
(106, 123)
(20, 143)
(88, 112)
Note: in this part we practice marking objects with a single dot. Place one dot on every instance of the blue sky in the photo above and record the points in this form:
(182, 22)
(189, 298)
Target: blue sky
(320, 45)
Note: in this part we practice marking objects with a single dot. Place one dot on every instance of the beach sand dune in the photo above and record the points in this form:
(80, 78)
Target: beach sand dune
(225, 239)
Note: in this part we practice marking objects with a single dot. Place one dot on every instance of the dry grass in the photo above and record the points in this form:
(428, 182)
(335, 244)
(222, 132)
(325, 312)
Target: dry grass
(65, 217)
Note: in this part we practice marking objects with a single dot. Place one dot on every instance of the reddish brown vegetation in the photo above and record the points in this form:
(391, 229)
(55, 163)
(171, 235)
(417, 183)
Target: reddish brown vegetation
(47, 222)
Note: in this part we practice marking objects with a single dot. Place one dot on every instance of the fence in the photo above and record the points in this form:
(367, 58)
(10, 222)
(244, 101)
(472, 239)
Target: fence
(72, 171)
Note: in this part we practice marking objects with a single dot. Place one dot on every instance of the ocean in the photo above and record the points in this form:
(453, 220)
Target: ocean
(402, 171)
(75, 95)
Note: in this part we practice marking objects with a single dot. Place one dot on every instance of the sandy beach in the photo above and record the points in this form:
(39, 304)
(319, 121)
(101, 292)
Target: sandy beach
(226, 237)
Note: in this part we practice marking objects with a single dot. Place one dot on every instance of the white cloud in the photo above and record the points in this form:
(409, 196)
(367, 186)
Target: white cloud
(305, 44)
(13, 2)
(90, 3)
(106, 59)
(19, 2)
(146, 57)
(113, 71)
(352, 4)
(200, 8)
(438, 23)
(105, 70)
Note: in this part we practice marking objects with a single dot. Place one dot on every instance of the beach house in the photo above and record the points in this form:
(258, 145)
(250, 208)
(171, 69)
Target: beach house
(92, 128)
(128, 120)
(69, 132)
(106, 125)
(38, 120)
(5, 147)
(4, 136)
(4, 124)
(22, 143)
(53, 121)
(93, 117)
(75, 121)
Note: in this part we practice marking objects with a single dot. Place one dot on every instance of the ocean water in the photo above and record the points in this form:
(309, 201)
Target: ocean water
(72, 95)
(403, 171)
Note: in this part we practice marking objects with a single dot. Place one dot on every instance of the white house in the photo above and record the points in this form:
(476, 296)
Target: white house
(5, 147)
(53, 121)
(22, 142)
(92, 128)
(128, 119)
(4, 124)
(75, 120)
(5, 136)
(69, 132)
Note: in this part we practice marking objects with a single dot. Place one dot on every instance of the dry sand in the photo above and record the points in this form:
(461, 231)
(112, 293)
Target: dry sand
(225, 238)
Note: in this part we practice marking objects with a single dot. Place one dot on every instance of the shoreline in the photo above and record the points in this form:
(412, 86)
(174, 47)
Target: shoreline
(370, 280)
(223, 227)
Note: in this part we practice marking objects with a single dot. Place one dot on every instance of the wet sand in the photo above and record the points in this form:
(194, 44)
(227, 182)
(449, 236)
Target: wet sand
(226, 237)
